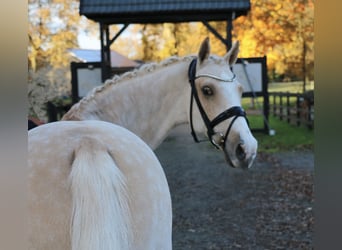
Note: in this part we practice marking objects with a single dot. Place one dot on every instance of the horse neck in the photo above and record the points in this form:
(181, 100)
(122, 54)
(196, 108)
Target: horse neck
(149, 105)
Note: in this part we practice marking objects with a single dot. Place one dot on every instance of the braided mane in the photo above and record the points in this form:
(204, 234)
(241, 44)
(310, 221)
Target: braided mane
(143, 70)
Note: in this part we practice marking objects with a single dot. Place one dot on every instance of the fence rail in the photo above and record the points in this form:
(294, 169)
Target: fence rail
(295, 108)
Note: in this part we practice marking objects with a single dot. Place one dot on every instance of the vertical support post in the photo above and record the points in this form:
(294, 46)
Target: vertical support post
(105, 51)
(229, 29)
(265, 95)
(304, 66)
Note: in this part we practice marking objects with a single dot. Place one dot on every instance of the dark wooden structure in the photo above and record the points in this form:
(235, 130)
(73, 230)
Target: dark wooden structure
(108, 12)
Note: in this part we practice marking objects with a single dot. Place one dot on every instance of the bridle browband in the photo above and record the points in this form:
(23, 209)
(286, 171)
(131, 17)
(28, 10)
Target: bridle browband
(234, 111)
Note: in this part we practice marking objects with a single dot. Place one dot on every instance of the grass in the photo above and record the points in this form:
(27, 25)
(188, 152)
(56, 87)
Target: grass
(287, 137)
(292, 87)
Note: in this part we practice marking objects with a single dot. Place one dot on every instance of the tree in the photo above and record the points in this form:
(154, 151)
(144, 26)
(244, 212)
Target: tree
(151, 41)
(283, 31)
(53, 28)
(279, 30)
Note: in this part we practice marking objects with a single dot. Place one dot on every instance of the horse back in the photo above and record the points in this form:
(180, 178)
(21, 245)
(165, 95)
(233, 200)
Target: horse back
(83, 160)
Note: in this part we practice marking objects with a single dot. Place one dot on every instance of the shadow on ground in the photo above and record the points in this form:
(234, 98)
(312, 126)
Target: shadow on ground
(217, 207)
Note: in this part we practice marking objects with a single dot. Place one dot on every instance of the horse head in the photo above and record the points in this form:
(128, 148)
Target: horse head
(218, 93)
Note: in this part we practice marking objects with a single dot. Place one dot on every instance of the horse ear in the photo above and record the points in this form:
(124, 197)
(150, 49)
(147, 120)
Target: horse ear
(232, 54)
(204, 51)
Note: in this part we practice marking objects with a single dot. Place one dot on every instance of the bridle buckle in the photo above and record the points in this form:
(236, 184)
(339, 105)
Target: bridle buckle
(217, 139)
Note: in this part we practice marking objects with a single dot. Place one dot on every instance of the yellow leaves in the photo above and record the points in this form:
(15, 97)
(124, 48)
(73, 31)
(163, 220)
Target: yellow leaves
(278, 6)
(58, 51)
(168, 44)
(44, 13)
(248, 45)
(53, 29)
(278, 28)
(275, 28)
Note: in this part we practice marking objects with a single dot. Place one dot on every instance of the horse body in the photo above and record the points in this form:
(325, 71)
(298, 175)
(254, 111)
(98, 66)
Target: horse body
(88, 189)
(95, 185)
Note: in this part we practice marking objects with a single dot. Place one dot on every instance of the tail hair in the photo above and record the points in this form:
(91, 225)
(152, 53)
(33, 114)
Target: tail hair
(100, 212)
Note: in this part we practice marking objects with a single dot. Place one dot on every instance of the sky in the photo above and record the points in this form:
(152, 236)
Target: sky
(86, 41)
(90, 40)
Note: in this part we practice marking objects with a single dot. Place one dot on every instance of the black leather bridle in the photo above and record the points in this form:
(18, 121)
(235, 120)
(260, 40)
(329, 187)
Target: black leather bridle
(235, 111)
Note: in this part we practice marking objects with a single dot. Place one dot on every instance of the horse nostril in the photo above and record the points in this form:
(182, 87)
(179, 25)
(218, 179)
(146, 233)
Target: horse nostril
(240, 152)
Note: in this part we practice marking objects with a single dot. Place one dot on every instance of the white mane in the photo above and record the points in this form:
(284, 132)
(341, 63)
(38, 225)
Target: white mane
(141, 71)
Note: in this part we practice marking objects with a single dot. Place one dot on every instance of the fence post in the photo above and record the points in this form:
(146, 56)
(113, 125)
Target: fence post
(274, 104)
(309, 120)
(288, 111)
(298, 109)
(281, 106)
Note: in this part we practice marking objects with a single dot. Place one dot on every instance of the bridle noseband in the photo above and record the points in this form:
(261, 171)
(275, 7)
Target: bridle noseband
(235, 111)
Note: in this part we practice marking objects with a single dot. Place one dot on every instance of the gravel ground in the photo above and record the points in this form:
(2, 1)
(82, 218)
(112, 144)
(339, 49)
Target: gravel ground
(217, 207)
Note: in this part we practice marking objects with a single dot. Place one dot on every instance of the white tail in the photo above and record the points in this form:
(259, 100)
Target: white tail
(100, 219)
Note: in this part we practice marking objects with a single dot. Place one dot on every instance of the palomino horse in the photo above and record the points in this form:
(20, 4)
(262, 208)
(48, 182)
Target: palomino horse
(95, 186)
(150, 101)
(103, 182)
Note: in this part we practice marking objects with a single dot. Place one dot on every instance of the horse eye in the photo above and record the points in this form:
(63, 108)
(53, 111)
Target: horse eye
(207, 91)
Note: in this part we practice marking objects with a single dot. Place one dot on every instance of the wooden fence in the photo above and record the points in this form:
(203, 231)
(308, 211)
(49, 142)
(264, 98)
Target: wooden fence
(295, 108)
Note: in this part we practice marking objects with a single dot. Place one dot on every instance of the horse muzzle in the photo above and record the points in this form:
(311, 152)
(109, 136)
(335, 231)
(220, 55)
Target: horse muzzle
(241, 154)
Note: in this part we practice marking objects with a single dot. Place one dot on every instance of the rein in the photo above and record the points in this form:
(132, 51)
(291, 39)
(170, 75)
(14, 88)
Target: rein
(217, 139)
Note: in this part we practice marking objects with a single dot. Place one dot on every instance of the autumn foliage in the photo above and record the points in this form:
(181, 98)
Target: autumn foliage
(281, 30)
